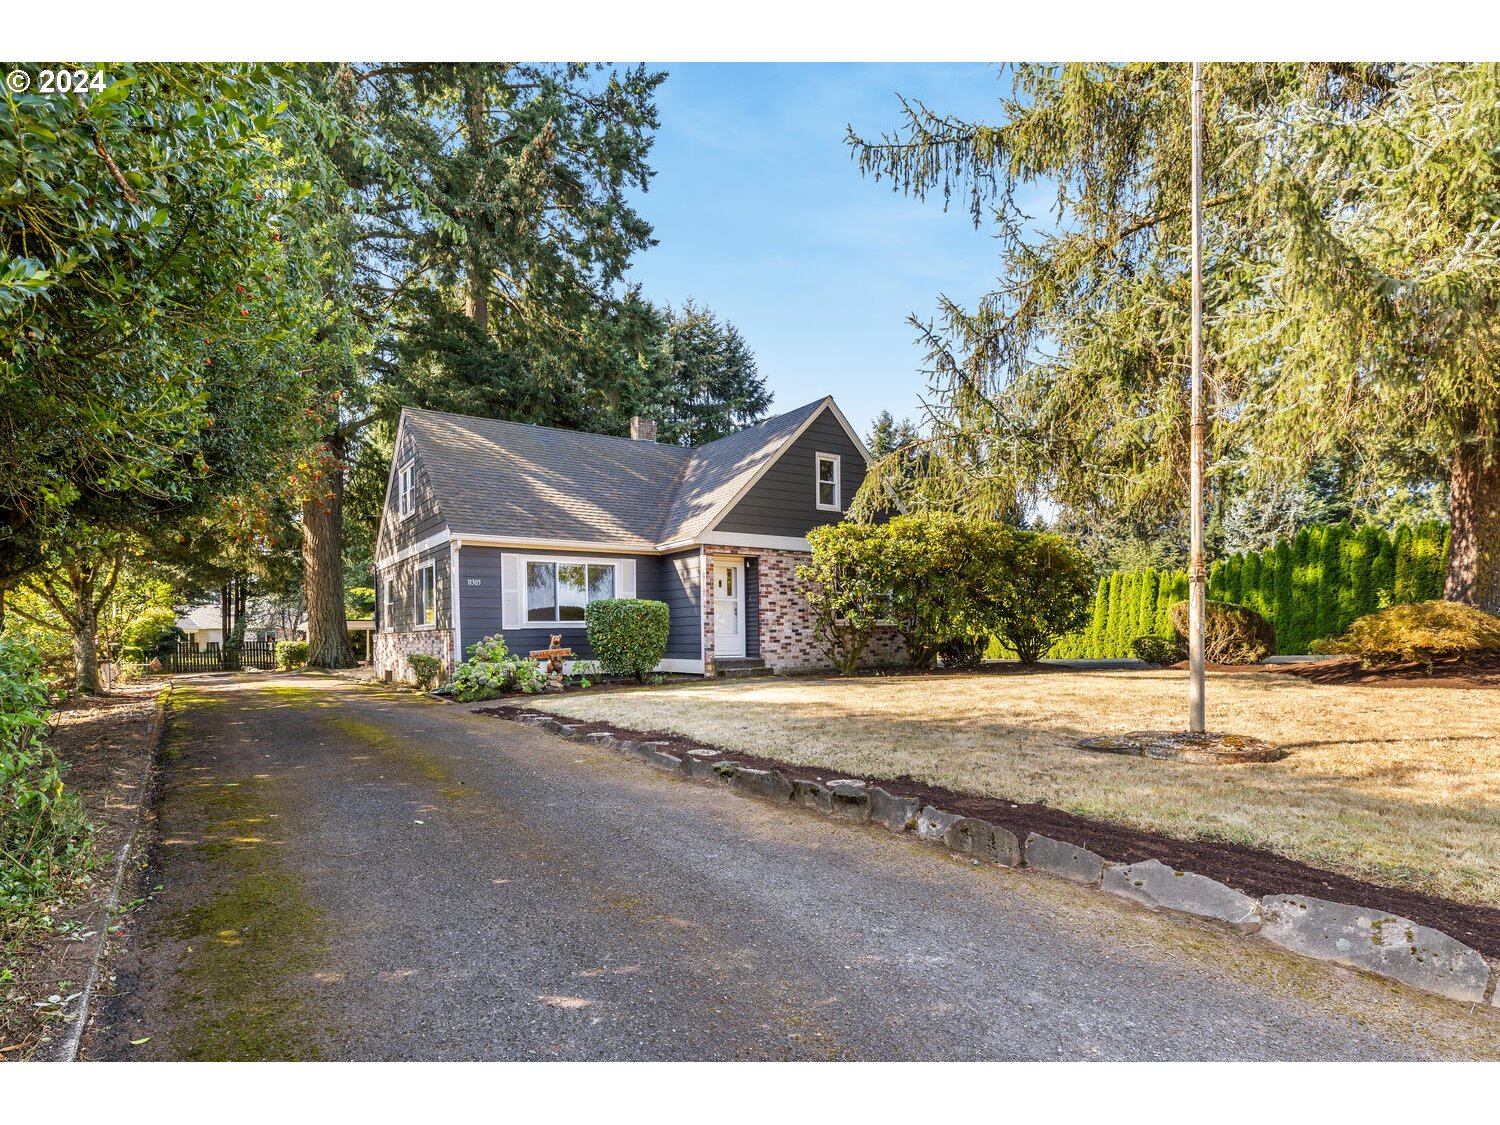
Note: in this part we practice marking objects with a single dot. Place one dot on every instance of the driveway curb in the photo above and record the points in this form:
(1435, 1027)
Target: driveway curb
(68, 1050)
(1461, 973)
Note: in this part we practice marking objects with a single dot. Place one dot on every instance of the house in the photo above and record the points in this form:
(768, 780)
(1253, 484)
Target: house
(268, 619)
(501, 527)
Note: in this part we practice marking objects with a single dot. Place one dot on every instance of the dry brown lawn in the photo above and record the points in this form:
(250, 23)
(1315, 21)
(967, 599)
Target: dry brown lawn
(1398, 785)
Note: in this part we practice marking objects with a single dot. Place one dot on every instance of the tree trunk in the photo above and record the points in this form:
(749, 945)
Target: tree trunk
(1474, 544)
(323, 564)
(85, 640)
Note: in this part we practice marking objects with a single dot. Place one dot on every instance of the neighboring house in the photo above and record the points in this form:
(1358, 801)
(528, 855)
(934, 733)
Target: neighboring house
(499, 527)
(203, 625)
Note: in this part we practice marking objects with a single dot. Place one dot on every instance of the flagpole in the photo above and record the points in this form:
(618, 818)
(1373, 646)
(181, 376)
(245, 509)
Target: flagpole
(1197, 575)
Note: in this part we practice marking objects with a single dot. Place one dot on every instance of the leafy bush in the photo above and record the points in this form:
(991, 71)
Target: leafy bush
(131, 666)
(44, 836)
(950, 617)
(628, 635)
(291, 654)
(1232, 634)
(427, 669)
(848, 587)
(150, 630)
(489, 672)
(1158, 650)
(1423, 633)
(1043, 594)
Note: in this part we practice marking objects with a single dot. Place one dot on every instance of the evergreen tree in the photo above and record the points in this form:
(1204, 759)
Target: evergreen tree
(1351, 286)
(704, 384)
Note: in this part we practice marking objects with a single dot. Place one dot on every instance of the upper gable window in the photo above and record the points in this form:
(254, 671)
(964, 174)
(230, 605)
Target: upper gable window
(828, 484)
(406, 488)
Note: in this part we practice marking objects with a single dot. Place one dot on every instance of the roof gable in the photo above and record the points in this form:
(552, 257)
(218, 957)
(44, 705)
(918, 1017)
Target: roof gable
(509, 479)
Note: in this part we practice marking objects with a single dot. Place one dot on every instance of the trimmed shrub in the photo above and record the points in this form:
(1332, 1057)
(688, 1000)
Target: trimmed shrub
(628, 635)
(291, 654)
(1158, 650)
(1232, 634)
(1421, 633)
(426, 668)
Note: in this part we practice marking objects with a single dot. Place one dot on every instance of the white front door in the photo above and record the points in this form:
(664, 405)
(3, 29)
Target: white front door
(729, 607)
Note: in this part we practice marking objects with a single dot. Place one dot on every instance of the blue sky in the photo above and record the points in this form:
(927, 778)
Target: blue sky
(761, 213)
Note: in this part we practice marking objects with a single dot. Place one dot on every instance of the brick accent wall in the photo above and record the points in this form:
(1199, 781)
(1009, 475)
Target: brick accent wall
(390, 650)
(788, 642)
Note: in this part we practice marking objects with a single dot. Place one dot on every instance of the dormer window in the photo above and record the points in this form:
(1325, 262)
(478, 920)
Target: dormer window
(828, 484)
(406, 491)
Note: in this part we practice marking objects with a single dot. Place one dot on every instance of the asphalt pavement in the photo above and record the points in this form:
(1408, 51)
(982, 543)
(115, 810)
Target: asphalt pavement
(353, 873)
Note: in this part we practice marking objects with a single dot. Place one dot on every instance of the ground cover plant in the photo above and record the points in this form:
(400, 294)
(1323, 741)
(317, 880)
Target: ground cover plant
(1423, 633)
(1395, 785)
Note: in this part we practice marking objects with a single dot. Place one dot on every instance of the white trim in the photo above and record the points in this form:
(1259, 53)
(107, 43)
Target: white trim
(436, 539)
(523, 561)
(670, 665)
(510, 591)
(769, 542)
(729, 563)
(838, 482)
(475, 540)
(406, 490)
(456, 625)
(419, 596)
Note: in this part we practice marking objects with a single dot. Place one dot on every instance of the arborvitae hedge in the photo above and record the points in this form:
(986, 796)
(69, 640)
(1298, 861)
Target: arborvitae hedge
(1310, 587)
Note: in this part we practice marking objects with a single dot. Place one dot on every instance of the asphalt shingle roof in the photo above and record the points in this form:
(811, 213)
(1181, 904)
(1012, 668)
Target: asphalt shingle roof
(535, 482)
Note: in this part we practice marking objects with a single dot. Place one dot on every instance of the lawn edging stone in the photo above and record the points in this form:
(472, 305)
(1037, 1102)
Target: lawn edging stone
(811, 795)
(1421, 957)
(1064, 860)
(849, 802)
(1154, 884)
(933, 824)
(899, 814)
(772, 785)
(1377, 942)
(983, 840)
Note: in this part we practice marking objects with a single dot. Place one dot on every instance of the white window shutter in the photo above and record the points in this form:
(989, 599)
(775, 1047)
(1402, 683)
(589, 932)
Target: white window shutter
(510, 591)
(626, 574)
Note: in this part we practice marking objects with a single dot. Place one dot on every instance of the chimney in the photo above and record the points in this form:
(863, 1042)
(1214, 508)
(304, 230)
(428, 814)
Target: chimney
(642, 429)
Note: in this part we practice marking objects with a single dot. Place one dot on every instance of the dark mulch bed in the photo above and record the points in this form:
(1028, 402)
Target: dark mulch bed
(1348, 670)
(1251, 870)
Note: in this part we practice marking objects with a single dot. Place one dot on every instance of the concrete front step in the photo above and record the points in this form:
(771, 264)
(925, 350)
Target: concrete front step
(750, 666)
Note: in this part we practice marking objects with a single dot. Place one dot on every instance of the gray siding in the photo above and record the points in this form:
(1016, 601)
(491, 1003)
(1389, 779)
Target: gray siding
(425, 519)
(396, 603)
(784, 500)
(656, 578)
(681, 586)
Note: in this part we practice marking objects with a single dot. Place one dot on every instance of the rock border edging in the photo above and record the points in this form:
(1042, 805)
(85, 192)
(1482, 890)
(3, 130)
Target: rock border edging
(1371, 941)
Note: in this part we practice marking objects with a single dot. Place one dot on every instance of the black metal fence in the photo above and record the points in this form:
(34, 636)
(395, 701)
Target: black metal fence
(252, 654)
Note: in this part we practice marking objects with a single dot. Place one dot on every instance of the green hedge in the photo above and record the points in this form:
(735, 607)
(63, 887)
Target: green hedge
(628, 635)
(1309, 587)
